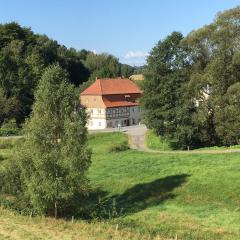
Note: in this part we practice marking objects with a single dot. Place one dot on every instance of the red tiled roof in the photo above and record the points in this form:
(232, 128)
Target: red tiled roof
(112, 86)
(120, 101)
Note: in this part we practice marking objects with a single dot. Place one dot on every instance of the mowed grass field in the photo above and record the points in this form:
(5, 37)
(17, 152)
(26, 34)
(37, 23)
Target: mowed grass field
(147, 195)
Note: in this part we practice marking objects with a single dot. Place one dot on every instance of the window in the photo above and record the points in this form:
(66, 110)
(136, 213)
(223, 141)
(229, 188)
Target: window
(87, 100)
(99, 111)
(133, 109)
(91, 110)
(127, 98)
(91, 123)
(99, 124)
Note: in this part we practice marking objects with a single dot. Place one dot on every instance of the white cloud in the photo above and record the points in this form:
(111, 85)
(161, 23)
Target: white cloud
(135, 58)
(135, 54)
(94, 51)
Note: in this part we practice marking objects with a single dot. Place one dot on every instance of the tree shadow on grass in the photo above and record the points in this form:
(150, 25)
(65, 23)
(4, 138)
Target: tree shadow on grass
(138, 198)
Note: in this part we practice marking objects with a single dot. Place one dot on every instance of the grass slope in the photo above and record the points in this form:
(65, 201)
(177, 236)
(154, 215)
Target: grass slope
(18, 227)
(157, 143)
(193, 196)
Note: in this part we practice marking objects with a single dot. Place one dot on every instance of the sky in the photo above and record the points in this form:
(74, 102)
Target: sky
(128, 29)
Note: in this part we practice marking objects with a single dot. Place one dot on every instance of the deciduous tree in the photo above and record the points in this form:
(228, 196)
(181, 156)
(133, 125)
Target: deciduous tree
(54, 157)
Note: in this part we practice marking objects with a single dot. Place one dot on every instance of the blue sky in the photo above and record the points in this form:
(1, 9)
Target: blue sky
(127, 29)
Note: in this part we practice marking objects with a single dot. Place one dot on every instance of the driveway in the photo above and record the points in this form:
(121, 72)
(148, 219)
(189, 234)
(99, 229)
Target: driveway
(137, 137)
(137, 141)
(136, 134)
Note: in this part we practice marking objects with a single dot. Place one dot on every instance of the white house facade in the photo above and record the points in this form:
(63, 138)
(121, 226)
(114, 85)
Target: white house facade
(112, 103)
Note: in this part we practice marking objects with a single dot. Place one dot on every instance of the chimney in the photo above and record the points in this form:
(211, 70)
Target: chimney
(96, 78)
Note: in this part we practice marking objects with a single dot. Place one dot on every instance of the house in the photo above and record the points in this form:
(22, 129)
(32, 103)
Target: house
(112, 103)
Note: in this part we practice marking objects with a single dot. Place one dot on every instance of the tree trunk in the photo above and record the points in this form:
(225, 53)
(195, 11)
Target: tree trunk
(55, 210)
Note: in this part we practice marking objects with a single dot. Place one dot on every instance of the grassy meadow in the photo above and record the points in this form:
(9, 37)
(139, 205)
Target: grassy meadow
(157, 143)
(147, 196)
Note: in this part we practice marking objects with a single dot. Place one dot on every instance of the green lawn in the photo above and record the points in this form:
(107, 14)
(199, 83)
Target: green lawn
(195, 196)
(155, 142)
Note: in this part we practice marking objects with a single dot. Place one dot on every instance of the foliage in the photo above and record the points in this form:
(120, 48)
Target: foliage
(123, 146)
(176, 193)
(126, 70)
(188, 82)
(9, 142)
(8, 107)
(9, 128)
(102, 65)
(228, 116)
(54, 157)
(155, 142)
(164, 99)
(24, 56)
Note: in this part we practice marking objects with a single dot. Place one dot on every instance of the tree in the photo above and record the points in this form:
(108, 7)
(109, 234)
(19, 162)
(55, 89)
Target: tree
(189, 81)
(126, 70)
(8, 107)
(227, 117)
(165, 75)
(54, 157)
(23, 58)
(214, 55)
(102, 65)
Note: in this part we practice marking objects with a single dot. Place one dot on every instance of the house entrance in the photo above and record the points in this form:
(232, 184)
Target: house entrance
(127, 122)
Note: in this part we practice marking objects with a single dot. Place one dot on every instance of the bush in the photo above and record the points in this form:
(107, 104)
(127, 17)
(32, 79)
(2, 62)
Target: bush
(156, 142)
(9, 128)
(7, 143)
(123, 146)
(10, 177)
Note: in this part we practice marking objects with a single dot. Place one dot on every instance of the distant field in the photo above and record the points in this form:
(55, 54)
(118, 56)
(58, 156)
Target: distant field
(162, 195)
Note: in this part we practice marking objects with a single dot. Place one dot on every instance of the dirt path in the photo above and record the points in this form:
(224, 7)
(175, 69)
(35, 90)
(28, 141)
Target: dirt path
(138, 142)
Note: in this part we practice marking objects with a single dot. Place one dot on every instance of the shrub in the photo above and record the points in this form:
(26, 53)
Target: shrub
(156, 142)
(9, 128)
(123, 146)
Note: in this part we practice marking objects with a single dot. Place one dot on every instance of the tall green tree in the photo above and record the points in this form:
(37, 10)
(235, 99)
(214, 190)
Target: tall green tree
(214, 54)
(54, 157)
(227, 117)
(126, 70)
(102, 65)
(23, 58)
(9, 107)
(165, 75)
(189, 82)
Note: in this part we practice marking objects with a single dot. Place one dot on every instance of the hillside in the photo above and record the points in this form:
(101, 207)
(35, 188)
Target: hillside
(193, 196)
(21, 228)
